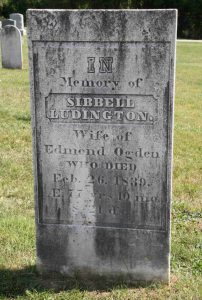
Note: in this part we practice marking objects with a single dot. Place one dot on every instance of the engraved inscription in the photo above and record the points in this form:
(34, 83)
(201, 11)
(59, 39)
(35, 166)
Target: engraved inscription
(72, 108)
(105, 64)
(131, 193)
(103, 112)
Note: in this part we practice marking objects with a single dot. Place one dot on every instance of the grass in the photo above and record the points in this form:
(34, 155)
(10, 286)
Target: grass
(18, 276)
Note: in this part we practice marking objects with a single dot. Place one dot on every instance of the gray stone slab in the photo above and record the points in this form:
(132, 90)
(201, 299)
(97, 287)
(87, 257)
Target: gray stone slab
(11, 47)
(8, 22)
(102, 87)
(19, 18)
(0, 31)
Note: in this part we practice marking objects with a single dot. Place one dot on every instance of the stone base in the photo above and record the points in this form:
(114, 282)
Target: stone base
(73, 251)
(89, 281)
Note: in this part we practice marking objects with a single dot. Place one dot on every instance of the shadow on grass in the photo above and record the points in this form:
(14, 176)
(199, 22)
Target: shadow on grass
(25, 118)
(15, 283)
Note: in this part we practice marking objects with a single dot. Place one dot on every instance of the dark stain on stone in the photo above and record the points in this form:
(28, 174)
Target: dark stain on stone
(38, 138)
(167, 110)
(105, 244)
(65, 22)
(52, 245)
(121, 58)
(58, 213)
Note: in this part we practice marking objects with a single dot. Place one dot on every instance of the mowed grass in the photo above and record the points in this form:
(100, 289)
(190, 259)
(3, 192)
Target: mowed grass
(18, 276)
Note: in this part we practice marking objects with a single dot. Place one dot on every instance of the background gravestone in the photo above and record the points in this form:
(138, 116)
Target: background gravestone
(102, 114)
(19, 18)
(0, 31)
(11, 47)
(8, 22)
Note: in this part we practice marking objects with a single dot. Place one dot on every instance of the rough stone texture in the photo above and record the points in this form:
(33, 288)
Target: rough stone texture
(11, 47)
(19, 18)
(8, 22)
(102, 114)
(0, 31)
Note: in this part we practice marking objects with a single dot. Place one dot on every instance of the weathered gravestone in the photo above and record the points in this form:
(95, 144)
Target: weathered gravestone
(0, 30)
(8, 22)
(11, 47)
(19, 18)
(102, 113)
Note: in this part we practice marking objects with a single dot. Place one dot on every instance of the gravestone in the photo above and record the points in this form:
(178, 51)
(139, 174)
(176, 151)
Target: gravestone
(0, 31)
(11, 47)
(8, 22)
(102, 112)
(19, 18)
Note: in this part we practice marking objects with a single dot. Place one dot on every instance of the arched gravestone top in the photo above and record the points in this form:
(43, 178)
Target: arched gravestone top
(19, 18)
(11, 47)
(8, 22)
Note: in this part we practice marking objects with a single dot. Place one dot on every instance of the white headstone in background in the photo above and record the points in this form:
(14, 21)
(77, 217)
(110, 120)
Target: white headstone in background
(19, 18)
(8, 22)
(11, 47)
(0, 30)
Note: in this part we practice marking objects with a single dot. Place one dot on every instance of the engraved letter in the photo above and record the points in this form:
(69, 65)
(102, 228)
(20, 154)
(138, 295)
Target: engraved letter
(105, 64)
(91, 64)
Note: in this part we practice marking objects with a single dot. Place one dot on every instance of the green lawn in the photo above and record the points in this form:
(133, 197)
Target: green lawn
(18, 277)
